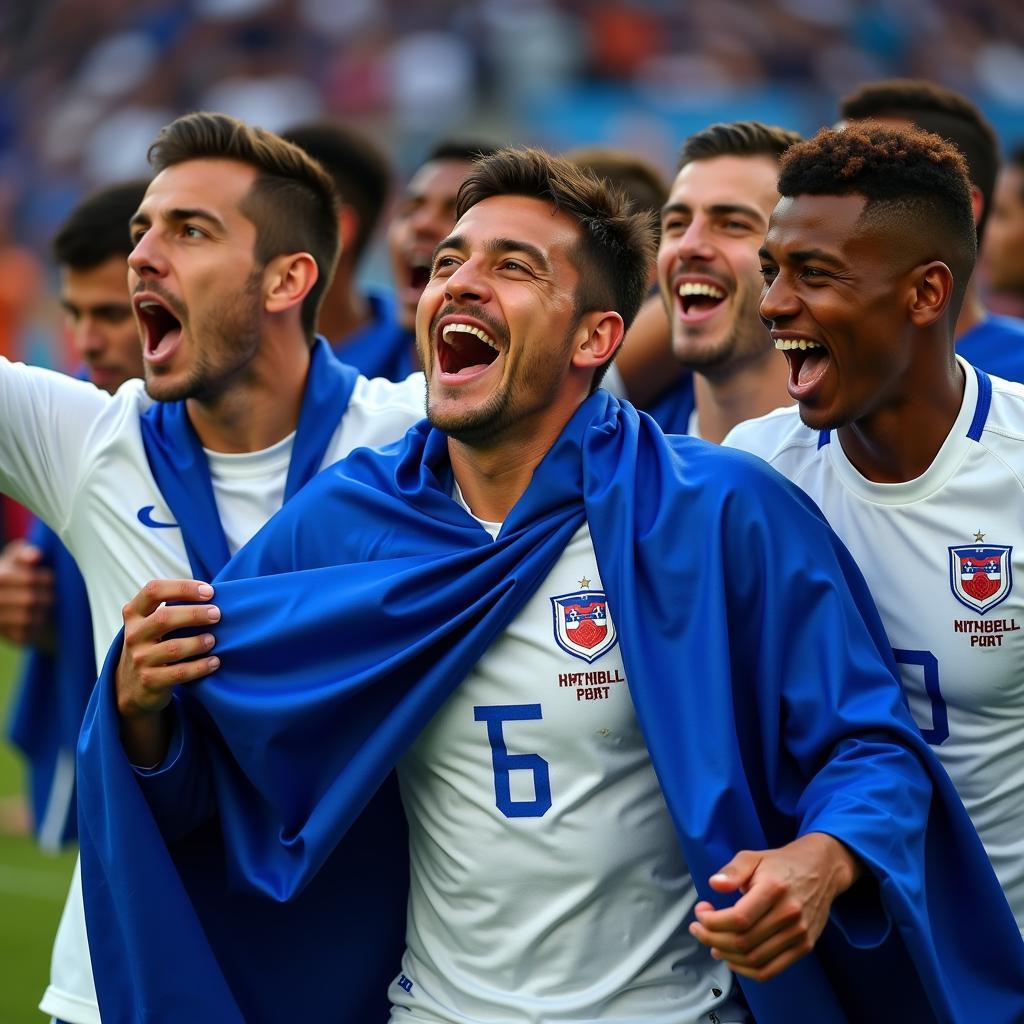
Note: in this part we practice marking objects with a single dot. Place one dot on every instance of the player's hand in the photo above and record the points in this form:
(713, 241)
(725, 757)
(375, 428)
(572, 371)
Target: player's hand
(26, 595)
(787, 895)
(151, 667)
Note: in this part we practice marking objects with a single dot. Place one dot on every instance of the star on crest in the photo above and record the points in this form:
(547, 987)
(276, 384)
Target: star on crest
(584, 583)
(979, 536)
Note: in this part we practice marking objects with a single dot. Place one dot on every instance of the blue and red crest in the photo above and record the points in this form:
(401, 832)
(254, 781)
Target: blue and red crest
(583, 627)
(980, 575)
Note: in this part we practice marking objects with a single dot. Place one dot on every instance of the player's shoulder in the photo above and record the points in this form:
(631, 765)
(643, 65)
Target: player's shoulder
(1004, 418)
(773, 435)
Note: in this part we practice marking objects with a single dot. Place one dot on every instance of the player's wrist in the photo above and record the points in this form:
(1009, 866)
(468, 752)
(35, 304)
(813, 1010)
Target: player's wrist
(843, 865)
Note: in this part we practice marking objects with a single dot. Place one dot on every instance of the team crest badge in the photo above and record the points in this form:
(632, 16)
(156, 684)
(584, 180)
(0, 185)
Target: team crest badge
(583, 627)
(980, 575)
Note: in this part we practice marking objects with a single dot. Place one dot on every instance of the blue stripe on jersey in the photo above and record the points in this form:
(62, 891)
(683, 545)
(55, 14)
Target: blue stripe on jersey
(824, 436)
(984, 402)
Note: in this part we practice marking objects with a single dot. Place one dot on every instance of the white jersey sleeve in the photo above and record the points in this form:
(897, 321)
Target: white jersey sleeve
(379, 412)
(46, 420)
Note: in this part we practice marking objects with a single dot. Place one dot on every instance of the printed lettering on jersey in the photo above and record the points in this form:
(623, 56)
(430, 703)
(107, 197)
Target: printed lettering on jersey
(583, 627)
(980, 575)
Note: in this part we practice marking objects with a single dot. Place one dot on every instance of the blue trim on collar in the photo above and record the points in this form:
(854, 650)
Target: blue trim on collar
(984, 403)
(824, 436)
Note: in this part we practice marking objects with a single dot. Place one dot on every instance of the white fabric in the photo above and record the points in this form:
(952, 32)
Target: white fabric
(74, 456)
(900, 535)
(579, 913)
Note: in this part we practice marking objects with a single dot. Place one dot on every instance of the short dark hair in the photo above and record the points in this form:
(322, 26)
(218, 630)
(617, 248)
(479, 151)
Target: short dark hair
(465, 149)
(908, 176)
(616, 245)
(738, 138)
(292, 202)
(97, 229)
(360, 170)
(938, 110)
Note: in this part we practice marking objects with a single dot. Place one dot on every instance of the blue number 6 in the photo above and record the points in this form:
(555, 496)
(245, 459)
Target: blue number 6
(939, 732)
(504, 762)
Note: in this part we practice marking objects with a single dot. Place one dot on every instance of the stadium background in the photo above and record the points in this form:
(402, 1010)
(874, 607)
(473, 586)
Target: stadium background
(84, 87)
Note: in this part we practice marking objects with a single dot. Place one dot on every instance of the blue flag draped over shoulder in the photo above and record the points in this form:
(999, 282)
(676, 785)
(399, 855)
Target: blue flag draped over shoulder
(52, 692)
(760, 675)
(178, 462)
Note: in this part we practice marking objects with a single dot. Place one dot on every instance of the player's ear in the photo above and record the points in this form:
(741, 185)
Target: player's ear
(287, 280)
(932, 289)
(597, 337)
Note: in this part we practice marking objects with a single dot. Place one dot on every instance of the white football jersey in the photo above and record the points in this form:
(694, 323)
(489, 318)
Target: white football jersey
(944, 557)
(548, 883)
(73, 455)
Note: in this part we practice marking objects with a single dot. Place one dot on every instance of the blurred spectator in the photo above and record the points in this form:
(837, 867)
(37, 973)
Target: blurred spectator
(992, 343)
(357, 324)
(1003, 252)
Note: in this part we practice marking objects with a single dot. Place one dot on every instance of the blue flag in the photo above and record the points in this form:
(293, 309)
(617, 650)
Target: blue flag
(261, 877)
(51, 695)
(178, 462)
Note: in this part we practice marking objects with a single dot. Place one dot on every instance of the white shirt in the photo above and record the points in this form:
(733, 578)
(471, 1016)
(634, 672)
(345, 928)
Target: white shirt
(548, 883)
(923, 547)
(73, 455)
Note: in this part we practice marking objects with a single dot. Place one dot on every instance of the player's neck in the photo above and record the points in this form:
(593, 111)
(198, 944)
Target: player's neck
(899, 441)
(973, 311)
(751, 390)
(493, 476)
(261, 407)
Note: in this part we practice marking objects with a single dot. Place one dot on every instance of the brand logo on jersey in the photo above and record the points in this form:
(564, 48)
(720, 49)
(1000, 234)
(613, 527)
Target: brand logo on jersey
(145, 515)
(980, 575)
(583, 627)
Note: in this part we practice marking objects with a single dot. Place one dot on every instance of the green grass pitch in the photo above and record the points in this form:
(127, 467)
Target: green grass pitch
(32, 890)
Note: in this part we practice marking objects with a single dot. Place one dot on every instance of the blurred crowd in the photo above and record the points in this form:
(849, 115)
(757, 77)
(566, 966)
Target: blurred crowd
(84, 87)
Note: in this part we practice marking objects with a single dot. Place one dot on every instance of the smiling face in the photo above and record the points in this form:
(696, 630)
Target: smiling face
(100, 324)
(497, 323)
(708, 268)
(425, 215)
(837, 297)
(196, 288)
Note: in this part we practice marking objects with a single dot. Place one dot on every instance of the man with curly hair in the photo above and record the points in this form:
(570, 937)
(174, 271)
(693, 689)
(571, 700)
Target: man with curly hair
(915, 456)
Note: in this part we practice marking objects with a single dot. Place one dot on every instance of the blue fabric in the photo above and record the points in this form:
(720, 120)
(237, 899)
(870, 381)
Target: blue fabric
(671, 409)
(52, 691)
(178, 462)
(740, 617)
(996, 345)
(383, 348)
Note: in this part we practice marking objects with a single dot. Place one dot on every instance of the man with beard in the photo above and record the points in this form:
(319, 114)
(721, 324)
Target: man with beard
(43, 604)
(234, 243)
(915, 456)
(501, 574)
(710, 275)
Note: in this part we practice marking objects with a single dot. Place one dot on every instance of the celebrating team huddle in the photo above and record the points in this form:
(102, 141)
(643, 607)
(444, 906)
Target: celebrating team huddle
(528, 710)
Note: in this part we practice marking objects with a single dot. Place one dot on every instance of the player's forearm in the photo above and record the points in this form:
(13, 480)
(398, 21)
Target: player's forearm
(146, 736)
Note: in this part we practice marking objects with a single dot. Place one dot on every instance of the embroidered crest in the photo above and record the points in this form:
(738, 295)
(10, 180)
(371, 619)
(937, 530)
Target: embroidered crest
(583, 627)
(980, 575)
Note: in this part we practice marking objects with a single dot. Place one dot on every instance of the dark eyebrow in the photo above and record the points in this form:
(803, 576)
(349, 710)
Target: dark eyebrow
(179, 214)
(817, 255)
(499, 245)
(718, 210)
